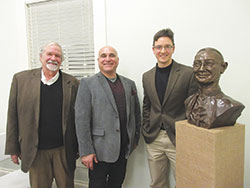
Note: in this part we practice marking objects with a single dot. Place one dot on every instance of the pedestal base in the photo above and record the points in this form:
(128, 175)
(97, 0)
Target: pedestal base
(209, 158)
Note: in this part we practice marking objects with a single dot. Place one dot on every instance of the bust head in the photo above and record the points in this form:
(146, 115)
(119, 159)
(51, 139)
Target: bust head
(210, 107)
(208, 66)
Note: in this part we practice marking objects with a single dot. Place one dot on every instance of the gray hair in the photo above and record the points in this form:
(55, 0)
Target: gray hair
(49, 44)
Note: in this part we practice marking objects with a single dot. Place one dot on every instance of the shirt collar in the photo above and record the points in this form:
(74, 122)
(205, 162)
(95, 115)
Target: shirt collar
(51, 81)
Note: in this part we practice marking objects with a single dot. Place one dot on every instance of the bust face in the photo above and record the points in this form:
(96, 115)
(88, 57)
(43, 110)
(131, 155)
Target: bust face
(208, 66)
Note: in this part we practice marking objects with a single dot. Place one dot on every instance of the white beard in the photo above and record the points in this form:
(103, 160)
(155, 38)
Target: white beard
(52, 65)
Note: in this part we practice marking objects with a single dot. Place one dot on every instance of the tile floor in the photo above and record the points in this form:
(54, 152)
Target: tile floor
(12, 177)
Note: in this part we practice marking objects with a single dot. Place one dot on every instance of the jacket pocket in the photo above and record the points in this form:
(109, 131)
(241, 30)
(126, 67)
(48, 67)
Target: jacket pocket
(98, 132)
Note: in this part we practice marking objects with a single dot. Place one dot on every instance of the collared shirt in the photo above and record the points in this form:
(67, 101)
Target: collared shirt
(51, 81)
(112, 79)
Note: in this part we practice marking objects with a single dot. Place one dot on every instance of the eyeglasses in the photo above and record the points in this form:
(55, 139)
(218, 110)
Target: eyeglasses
(159, 48)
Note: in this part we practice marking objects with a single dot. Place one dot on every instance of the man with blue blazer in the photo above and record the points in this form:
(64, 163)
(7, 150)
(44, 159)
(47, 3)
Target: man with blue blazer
(108, 122)
(166, 86)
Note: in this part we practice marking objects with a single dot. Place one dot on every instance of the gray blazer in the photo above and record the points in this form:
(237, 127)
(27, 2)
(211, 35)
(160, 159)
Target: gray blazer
(24, 112)
(181, 84)
(97, 119)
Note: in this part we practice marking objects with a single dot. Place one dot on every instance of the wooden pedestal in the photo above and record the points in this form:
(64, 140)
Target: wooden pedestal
(209, 158)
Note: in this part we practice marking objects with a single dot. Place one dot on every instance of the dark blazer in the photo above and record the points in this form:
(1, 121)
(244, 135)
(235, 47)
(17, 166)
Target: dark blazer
(181, 84)
(97, 118)
(23, 117)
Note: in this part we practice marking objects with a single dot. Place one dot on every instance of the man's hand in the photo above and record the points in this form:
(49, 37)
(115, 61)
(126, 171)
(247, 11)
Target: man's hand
(88, 161)
(14, 158)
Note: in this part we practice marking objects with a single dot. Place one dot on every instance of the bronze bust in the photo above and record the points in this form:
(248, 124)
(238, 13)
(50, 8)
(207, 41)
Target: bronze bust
(210, 107)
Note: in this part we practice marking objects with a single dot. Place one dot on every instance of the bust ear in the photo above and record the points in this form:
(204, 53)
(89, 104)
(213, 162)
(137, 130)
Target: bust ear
(223, 67)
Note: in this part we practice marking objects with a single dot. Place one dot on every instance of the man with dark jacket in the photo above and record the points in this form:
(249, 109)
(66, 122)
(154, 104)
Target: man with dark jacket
(41, 121)
(166, 86)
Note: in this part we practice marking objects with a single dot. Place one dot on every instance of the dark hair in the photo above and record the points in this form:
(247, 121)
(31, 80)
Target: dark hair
(164, 33)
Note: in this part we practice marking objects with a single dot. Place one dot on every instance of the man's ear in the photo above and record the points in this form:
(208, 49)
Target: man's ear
(40, 56)
(224, 67)
(153, 49)
(173, 48)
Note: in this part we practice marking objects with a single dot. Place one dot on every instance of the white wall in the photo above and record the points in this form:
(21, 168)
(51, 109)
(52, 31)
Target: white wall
(12, 48)
(129, 26)
(13, 52)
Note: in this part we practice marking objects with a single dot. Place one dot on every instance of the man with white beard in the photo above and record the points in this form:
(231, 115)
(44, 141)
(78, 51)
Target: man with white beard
(41, 122)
